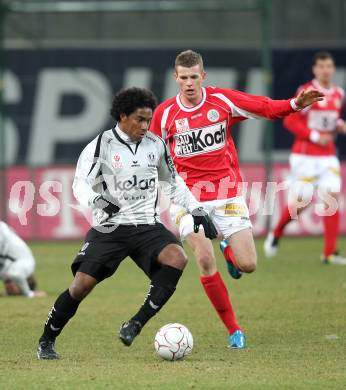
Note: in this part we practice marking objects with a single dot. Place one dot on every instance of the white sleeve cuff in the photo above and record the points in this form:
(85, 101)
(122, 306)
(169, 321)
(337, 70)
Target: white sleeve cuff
(314, 136)
(30, 294)
(294, 105)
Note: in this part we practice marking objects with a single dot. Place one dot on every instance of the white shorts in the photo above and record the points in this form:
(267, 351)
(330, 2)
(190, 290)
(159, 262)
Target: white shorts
(229, 216)
(321, 172)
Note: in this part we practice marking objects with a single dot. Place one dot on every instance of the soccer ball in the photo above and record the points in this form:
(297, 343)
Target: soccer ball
(173, 342)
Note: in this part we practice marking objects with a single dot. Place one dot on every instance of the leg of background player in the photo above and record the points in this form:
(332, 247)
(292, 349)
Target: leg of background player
(331, 232)
(212, 281)
(300, 195)
(272, 240)
(243, 250)
(62, 311)
(162, 287)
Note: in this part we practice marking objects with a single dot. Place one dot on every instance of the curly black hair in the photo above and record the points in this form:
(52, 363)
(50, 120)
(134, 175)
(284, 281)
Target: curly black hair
(128, 100)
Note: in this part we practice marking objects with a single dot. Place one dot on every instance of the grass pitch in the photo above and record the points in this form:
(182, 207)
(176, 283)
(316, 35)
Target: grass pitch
(292, 309)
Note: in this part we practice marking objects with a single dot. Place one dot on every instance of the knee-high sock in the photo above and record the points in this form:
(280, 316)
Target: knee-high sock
(62, 311)
(162, 287)
(285, 219)
(331, 230)
(217, 293)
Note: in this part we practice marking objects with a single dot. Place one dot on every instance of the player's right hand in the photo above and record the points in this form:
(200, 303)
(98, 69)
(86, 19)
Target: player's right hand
(201, 217)
(106, 204)
(307, 97)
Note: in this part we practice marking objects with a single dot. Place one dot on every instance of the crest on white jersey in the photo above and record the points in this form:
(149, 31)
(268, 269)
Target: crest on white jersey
(151, 159)
(117, 161)
(151, 156)
(182, 125)
(213, 115)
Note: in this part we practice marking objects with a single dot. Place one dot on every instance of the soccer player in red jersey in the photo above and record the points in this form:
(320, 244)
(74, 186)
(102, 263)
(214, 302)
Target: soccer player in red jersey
(313, 162)
(197, 124)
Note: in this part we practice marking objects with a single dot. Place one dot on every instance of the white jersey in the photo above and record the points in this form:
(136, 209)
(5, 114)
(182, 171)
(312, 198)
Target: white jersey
(16, 260)
(130, 173)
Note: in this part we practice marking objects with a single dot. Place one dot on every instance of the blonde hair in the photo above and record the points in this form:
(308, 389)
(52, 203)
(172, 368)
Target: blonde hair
(189, 58)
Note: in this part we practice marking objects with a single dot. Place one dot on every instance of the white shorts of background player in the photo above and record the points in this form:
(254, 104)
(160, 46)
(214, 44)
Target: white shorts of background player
(229, 216)
(310, 173)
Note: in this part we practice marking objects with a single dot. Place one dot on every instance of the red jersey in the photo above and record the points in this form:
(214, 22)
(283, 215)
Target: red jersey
(200, 138)
(321, 116)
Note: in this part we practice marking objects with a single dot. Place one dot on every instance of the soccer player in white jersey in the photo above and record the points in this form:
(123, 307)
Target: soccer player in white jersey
(313, 161)
(197, 126)
(17, 264)
(118, 176)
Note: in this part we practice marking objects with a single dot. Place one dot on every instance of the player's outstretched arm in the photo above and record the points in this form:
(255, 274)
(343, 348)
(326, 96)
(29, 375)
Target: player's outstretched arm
(249, 106)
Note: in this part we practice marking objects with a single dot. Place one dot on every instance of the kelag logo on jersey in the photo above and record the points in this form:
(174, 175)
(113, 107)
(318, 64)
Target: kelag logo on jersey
(135, 184)
(197, 141)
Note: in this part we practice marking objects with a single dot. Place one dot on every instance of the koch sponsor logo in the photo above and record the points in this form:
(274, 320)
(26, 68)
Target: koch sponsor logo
(135, 184)
(197, 141)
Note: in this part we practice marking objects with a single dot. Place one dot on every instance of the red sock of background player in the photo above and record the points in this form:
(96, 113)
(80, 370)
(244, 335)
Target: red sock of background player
(284, 220)
(331, 230)
(217, 293)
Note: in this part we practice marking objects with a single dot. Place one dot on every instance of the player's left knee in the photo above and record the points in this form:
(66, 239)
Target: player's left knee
(249, 264)
(179, 261)
(174, 256)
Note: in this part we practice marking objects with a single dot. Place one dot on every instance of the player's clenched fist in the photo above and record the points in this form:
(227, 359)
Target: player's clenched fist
(201, 217)
(106, 204)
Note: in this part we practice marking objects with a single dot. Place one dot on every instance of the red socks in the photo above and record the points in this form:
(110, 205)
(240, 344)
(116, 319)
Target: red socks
(284, 220)
(217, 293)
(331, 230)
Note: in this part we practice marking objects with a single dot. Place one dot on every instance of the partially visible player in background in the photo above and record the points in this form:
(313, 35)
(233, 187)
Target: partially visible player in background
(197, 124)
(313, 161)
(17, 264)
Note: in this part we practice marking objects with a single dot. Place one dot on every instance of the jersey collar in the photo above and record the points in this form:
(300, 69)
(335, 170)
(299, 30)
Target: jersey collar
(120, 136)
(326, 91)
(123, 135)
(190, 109)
